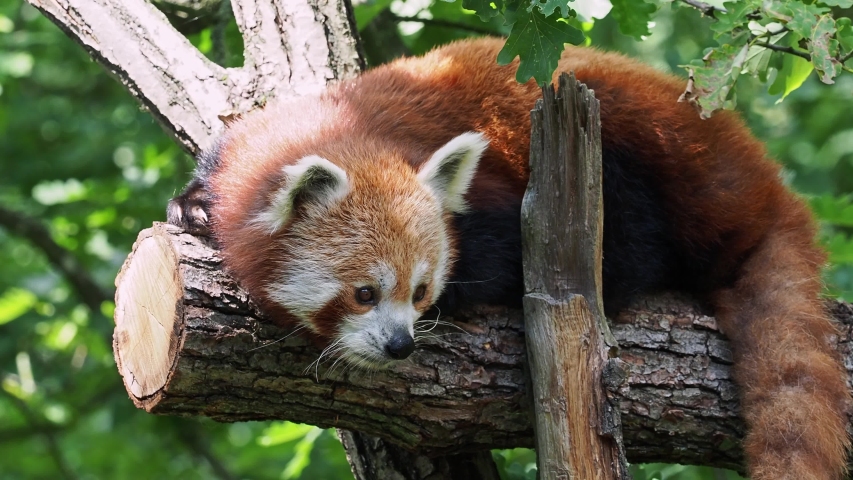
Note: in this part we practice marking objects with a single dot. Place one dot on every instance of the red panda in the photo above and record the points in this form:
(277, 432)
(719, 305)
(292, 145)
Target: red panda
(354, 211)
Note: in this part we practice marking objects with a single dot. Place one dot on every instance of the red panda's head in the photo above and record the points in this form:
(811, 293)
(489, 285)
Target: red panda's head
(356, 248)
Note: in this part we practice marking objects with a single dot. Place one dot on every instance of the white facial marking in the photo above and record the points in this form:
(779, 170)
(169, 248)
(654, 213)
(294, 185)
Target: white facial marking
(385, 276)
(419, 274)
(304, 288)
(365, 336)
(442, 264)
(316, 179)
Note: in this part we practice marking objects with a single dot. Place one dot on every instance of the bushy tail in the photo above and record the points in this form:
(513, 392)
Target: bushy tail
(794, 392)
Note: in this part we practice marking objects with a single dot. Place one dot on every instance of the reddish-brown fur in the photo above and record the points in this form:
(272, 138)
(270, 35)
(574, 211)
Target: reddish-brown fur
(717, 183)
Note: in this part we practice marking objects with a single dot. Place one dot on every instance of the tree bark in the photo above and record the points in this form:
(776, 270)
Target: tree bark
(373, 458)
(195, 345)
(186, 92)
(563, 309)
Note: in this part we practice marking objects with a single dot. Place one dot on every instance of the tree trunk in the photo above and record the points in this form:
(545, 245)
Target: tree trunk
(195, 345)
(561, 230)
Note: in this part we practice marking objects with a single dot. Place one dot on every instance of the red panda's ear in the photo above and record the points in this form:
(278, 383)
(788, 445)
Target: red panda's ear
(312, 181)
(449, 171)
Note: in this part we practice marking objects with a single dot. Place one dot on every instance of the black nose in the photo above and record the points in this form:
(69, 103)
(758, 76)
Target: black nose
(400, 346)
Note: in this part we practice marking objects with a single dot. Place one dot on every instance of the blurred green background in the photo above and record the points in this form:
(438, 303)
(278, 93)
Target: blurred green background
(84, 169)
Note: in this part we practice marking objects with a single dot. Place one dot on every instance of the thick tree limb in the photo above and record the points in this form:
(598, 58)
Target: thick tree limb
(182, 89)
(195, 345)
(186, 92)
(372, 458)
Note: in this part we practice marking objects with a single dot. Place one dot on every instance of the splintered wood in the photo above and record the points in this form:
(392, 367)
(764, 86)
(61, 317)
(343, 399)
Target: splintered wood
(577, 431)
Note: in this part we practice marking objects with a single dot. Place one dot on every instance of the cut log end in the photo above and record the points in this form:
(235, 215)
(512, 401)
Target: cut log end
(148, 302)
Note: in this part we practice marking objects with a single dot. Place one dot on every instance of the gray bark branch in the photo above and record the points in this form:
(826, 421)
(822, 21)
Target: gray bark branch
(464, 390)
(292, 47)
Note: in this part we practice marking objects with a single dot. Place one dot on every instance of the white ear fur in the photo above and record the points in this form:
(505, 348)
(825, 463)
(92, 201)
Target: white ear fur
(312, 179)
(449, 171)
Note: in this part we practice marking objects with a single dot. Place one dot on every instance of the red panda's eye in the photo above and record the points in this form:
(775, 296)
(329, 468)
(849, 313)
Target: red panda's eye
(419, 293)
(364, 295)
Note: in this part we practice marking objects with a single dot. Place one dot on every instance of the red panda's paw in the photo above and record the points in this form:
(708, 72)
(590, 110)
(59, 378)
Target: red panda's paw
(189, 210)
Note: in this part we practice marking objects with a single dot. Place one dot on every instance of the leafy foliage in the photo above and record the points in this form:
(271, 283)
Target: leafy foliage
(772, 28)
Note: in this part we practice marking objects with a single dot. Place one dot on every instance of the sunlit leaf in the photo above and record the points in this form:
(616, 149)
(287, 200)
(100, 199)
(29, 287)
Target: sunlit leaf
(6, 24)
(283, 432)
(16, 64)
(795, 70)
(15, 302)
(58, 191)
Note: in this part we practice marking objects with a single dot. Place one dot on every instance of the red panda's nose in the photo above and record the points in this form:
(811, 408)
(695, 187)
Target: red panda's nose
(400, 346)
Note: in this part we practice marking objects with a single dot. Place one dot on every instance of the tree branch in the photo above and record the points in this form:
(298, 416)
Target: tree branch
(179, 86)
(785, 49)
(706, 9)
(207, 351)
(292, 47)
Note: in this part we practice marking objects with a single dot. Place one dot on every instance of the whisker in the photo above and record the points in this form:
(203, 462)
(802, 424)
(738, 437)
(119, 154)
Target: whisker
(297, 329)
(474, 281)
(327, 352)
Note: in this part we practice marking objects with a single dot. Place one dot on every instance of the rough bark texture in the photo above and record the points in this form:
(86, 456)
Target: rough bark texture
(291, 47)
(374, 458)
(564, 318)
(464, 390)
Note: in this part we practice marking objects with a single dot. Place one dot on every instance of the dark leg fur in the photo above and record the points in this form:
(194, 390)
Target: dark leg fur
(639, 253)
(488, 266)
(189, 209)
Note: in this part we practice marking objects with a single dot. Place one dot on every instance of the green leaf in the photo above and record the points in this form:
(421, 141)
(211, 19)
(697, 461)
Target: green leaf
(845, 33)
(714, 77)
(485, 9)
(547, 7)
(838, 3)
(799, 17)
(735, 16)
(821, 46)
(795, 70)
(633, 17)
(15, 302)
(283, 432)
(538, 41)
